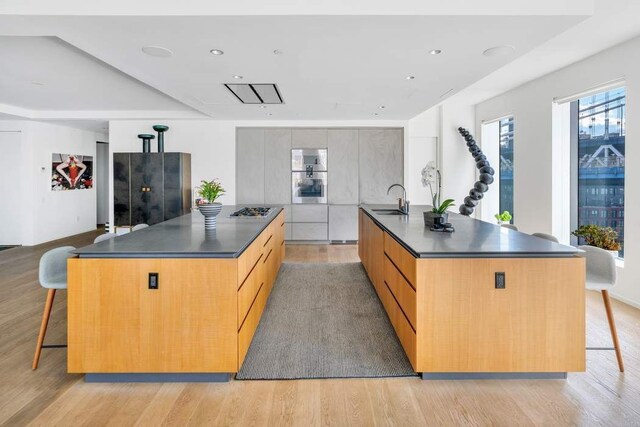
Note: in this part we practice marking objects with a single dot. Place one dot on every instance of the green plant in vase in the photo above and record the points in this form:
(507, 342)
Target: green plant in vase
(209, 192)
(504, 217)
(601, 237)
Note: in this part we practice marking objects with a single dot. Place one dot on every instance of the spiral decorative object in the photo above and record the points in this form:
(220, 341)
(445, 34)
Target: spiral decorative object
(484, 180)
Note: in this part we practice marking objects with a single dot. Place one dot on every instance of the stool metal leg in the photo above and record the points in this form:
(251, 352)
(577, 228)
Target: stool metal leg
(43, 326)
(612, 327)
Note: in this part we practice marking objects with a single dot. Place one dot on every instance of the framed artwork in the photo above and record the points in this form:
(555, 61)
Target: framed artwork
(71, 172)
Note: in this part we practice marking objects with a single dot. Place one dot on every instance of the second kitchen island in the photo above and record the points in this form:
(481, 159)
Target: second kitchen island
(172, 302)
(482, 302)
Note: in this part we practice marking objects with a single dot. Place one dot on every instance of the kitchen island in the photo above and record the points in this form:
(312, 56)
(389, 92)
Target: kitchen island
(172, 302)
(482, 302)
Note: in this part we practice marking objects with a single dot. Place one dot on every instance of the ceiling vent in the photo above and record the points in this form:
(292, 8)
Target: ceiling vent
(256, 93)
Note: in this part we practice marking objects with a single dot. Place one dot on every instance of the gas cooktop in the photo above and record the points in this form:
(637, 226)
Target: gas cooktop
(252, 212)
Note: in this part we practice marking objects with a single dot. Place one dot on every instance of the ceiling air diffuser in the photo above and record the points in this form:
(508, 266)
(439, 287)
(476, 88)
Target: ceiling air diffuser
(256, 93)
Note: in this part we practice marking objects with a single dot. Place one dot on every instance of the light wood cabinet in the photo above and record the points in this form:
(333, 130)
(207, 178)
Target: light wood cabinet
(371, 249)
(201, 318)
(449, 316)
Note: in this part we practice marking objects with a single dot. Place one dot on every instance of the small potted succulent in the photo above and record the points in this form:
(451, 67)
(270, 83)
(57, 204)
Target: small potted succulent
(209, 192)
(503, 218)
(601, 237)
(438, 214)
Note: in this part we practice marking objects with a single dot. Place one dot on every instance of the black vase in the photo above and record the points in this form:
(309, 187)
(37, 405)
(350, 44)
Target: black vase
(161, 129)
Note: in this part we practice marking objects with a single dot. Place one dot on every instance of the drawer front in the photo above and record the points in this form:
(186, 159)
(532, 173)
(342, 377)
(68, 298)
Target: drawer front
(343, 222)
(268, 263)
(403, 329)
(248, 259)
(249, 289)
(405, 295)
(245, 335)
(404, 260)
(309, 231)
(309, 213)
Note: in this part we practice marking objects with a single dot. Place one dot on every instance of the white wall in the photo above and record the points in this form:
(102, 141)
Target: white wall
(10, 191)
(439, 125)
(537, 205)
(212, 144)
(48, 215)
(421, 148)
(458, 167)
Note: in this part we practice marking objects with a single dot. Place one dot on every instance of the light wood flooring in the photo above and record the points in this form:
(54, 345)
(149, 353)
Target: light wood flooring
(49, 396)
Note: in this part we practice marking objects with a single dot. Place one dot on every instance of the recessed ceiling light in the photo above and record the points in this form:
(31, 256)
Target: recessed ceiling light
(238, 77)
(435, 52)
(499, 51)
(263, 106)
(278, 52)
(37, 83)
(270, 114)
(375, 114)
(410, 77)
(157, 51)
(216, 52)
(381, 107)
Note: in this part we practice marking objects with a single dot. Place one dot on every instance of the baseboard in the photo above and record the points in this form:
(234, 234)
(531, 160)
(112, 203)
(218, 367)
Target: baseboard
(624, 300)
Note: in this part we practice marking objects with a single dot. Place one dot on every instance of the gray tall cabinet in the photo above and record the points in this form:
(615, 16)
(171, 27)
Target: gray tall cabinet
(362, 164)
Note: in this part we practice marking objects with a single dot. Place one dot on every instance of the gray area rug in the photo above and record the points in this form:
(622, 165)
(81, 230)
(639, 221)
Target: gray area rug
(324, 321)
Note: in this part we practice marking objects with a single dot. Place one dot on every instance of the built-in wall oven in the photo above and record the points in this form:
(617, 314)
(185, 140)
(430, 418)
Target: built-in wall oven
(309, 175)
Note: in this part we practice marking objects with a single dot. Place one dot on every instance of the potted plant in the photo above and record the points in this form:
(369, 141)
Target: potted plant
(601, 237)
(438, 214)
(504, 217)
(209, 192)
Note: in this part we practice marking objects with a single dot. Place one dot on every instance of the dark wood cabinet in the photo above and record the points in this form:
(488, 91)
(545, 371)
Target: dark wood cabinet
(150, 187)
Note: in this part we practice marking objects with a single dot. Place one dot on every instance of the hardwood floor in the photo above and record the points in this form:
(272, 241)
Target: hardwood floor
(50, 396)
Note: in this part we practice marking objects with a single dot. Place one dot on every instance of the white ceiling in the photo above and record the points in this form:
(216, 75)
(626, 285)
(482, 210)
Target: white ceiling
(332, 67)
(44, 73)
(613, 22)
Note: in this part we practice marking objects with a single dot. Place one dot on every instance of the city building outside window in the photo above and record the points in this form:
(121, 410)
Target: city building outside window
(506, 165)
(600, 127)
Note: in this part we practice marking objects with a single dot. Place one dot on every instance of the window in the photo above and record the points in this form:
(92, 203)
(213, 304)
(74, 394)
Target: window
(506, 165)
(599, 128)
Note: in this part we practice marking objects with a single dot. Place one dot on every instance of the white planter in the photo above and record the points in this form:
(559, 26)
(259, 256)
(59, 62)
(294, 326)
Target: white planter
(210, 212)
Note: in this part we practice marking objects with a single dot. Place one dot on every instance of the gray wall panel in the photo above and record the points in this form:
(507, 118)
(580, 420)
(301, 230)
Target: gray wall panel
(343, 166)
(381, 164)
(277, 166)
(309, 138)
(249, 165)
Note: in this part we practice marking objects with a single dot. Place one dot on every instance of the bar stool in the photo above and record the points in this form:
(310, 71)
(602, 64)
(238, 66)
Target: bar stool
(53, 276)
(546, 236)
(601, 276)
(139, 227)
(509, 226)
(105, 236)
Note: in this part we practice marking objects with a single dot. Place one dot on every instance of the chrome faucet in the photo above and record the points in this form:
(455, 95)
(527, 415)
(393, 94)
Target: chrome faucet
(403, 203)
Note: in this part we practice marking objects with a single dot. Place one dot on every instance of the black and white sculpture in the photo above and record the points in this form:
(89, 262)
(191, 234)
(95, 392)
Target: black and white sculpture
(486, 174)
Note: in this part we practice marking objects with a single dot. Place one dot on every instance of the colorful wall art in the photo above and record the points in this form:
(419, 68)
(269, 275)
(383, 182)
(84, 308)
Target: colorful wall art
(71, 172)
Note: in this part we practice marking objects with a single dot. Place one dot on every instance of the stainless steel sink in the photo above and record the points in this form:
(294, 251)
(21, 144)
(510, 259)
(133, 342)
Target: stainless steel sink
(388, 211)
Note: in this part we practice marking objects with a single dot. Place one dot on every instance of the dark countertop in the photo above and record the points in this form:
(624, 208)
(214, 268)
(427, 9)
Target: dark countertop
(472, 239)
(185, 237)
